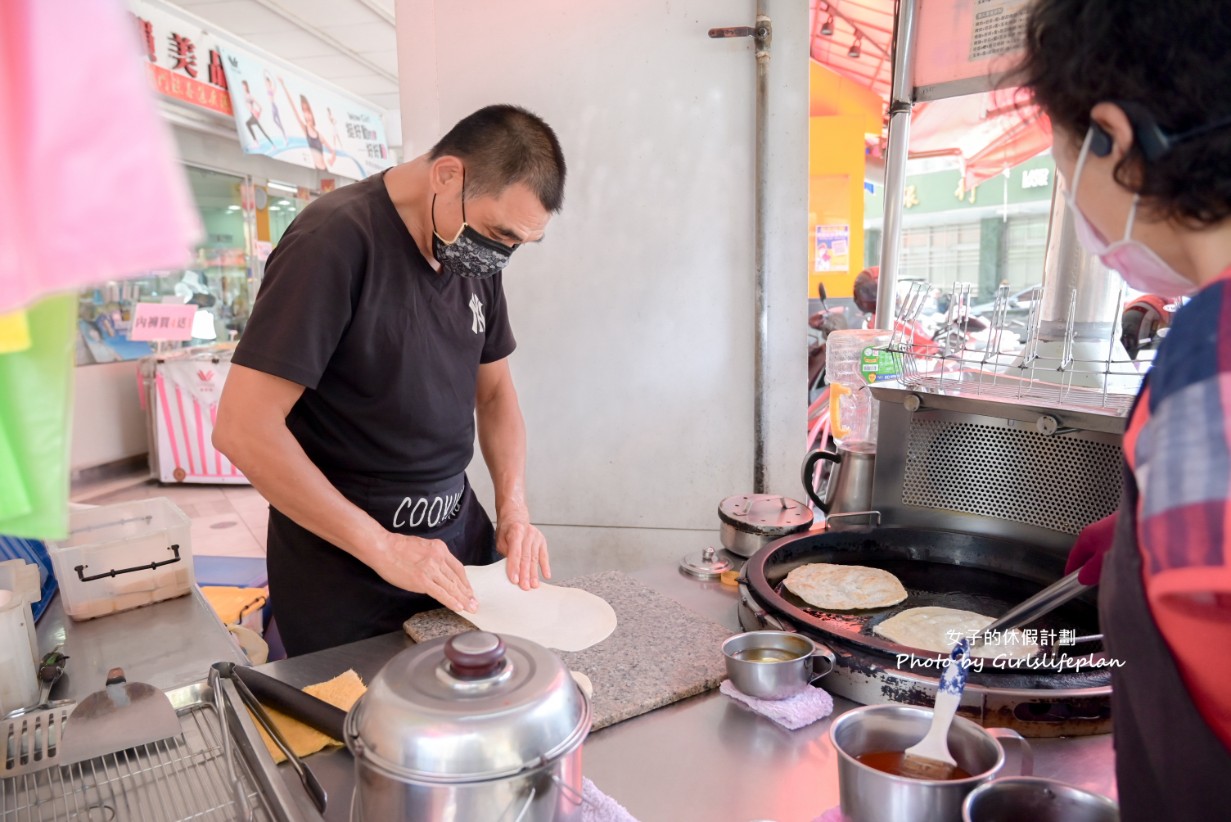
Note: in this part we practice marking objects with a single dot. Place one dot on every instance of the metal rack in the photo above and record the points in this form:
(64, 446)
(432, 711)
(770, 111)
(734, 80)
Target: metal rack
(184, 778)
(1058, 373)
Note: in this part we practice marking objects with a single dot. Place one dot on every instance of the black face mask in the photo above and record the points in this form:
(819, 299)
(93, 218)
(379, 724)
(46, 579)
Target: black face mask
(469, 254)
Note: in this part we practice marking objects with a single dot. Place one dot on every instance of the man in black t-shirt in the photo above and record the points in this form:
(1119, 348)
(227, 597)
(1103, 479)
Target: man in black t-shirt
(379, 336)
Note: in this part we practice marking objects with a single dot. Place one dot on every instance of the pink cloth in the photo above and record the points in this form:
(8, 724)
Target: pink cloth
(804, 708)
(90, 189)
(599, 807)
(832, 815)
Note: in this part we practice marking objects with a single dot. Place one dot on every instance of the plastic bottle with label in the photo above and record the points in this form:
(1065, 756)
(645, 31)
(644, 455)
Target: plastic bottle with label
(854, 359)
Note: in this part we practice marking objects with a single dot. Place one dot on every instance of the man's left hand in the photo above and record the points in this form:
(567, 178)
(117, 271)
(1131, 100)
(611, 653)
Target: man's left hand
(526, 549)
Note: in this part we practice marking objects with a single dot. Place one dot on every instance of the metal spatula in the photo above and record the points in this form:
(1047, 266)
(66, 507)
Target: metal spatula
(121, 716)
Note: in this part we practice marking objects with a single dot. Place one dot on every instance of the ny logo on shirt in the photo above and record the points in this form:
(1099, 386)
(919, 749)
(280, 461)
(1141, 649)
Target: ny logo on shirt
(478, 323)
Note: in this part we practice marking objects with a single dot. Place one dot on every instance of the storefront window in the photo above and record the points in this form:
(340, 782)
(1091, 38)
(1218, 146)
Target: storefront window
(218, 281)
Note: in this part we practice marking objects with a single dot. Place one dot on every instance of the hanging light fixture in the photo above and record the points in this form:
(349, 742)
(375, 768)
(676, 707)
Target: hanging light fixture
(855, 50)
(827, 26)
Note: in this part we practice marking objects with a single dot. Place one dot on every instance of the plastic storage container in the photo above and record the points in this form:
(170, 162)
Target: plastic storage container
(123, 556)
(19, 685)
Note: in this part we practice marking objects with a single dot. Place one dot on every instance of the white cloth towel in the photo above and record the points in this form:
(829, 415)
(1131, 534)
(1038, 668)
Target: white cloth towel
(804, 708)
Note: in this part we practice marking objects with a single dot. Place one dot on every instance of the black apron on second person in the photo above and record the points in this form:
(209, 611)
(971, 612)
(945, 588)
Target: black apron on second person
(322, 596)
(1169, 764)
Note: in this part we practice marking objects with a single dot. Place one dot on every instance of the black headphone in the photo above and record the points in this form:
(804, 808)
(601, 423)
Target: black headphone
(1152, 140)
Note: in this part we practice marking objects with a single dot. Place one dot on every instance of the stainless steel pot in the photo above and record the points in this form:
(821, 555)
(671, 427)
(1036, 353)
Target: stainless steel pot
(752, 521)
(476, 726)
(870, 795)
(1034, 799)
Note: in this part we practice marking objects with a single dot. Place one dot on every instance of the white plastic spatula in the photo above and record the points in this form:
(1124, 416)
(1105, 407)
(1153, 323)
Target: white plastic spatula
(930, 757)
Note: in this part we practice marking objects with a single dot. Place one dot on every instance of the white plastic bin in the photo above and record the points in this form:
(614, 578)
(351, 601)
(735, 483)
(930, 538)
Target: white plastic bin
(123, 556)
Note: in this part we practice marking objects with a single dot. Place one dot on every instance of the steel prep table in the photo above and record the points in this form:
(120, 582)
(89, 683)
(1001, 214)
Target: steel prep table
(168, 644)
(703, 758)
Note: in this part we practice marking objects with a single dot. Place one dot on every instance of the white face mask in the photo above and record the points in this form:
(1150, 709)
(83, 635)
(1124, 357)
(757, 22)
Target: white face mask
(1137, 263)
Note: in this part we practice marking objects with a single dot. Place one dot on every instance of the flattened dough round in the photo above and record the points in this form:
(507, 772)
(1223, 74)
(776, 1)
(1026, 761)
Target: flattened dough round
(929, 629)
(844, 587)
(565, 619)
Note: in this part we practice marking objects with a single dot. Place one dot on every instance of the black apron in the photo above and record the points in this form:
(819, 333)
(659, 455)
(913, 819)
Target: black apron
(322, 596)
(1169, 763)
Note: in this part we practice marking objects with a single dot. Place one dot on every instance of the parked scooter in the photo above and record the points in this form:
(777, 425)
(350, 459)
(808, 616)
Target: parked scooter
(820, 326)
(1143, 323)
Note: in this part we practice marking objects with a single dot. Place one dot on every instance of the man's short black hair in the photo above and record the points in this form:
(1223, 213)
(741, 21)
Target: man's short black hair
(1171, 59)
(502, 145)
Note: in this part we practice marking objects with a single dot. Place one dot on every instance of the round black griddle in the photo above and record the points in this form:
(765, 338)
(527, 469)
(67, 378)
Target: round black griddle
(949, 569)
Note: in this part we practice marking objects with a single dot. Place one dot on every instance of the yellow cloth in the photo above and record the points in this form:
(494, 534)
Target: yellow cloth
(14, 332)
(233, 604)
(342, 691)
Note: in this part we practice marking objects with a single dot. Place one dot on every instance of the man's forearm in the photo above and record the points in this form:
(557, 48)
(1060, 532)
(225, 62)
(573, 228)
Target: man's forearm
(502, 438)
(276, 465)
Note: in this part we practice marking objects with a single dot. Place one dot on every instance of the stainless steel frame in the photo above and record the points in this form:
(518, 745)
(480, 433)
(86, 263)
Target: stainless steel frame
(900, 102)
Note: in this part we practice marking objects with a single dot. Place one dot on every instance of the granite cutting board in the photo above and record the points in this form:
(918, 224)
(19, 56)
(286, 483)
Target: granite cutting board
(660, 651)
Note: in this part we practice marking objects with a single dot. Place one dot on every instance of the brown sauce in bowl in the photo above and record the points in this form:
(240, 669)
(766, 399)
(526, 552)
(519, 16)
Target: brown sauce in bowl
(891, 762)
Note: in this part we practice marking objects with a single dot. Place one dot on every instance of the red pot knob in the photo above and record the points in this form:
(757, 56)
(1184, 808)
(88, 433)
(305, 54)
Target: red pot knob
(474, 654)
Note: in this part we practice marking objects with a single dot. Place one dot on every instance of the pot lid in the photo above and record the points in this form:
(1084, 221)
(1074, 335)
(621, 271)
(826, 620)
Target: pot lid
(767, 515)
(706, 565)
(473, 706)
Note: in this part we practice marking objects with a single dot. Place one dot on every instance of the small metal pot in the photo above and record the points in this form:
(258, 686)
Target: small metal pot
(752, 521)
(476, 726)
(870, 795)
(774, 664)
(1034, 799)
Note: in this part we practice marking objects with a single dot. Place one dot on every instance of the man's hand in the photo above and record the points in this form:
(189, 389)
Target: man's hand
(424, 566)
(526, 549)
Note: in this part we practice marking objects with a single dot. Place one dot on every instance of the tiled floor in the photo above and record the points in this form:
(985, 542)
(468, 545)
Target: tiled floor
(227, 520)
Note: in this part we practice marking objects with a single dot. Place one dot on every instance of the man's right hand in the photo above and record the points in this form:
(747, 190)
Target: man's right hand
(425, 566)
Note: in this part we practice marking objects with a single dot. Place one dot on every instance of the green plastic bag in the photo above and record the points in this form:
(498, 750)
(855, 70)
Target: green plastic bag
(36, 391)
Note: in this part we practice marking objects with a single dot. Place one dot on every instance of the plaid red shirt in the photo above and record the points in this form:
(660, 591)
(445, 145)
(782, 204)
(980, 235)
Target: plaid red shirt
(1178, 446)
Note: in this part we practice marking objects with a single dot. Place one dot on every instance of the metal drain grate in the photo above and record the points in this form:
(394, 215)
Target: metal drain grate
(175, 779)
(1060, 482)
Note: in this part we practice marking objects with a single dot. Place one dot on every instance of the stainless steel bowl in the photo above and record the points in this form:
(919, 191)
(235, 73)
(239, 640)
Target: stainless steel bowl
(1035, 799)
(774, 664)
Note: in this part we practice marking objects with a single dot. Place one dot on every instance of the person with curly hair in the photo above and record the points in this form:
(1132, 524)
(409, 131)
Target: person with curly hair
(1140, 105)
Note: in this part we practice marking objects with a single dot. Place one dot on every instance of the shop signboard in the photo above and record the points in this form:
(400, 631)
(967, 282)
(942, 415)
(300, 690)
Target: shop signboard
(184, 61)
(162, 321)
(291, 117)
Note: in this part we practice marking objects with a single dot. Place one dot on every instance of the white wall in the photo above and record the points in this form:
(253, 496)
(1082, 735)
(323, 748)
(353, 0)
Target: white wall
(635, 316)
(108, 423)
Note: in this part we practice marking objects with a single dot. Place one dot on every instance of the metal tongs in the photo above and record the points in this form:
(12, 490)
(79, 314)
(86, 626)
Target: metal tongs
(309, 780)
(1044, 602)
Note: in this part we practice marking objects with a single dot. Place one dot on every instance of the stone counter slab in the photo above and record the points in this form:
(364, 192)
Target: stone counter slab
(660, 651)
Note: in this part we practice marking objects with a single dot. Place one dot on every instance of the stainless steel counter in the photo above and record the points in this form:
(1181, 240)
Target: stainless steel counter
(705, 758)
(168, 644)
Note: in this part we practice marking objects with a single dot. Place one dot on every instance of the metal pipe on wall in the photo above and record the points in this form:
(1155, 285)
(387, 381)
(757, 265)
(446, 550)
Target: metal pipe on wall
(900, 101)
(760, 464)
